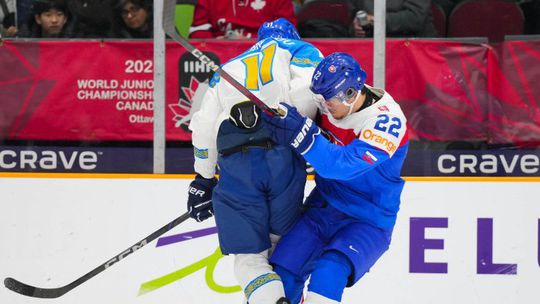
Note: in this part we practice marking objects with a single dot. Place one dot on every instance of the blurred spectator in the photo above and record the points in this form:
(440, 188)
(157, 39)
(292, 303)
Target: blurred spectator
(404, 18)
(239, 19)
(325, 19)
(297, 4)
(8, 28)
(447, 5)
(92, 18)
(24, 14)
(132, 19)
(50, 19)
(531, 10)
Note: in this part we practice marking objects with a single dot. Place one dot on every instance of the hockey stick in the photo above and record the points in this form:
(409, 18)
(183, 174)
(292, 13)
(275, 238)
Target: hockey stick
(37, 292)
(170, 30)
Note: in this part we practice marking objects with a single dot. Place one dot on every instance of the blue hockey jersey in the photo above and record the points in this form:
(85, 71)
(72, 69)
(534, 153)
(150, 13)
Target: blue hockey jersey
(358, 170)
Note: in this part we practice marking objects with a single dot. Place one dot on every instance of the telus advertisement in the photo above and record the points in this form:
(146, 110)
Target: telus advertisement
(454, 242)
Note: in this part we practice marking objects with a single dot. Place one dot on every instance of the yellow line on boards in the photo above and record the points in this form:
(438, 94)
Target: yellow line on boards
(310, 177)
(472, 178)
(93, 175)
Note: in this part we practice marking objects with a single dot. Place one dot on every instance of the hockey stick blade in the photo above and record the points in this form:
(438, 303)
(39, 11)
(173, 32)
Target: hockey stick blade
(31, 291)
(170, 29)
(48, 293)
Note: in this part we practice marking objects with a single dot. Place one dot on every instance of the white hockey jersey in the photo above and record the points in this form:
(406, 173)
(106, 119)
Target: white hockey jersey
(275, 70)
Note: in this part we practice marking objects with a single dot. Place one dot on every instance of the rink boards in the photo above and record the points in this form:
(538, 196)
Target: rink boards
(457, 240)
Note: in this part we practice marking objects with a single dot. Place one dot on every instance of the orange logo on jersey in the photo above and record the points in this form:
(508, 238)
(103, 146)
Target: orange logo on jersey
(370, 136)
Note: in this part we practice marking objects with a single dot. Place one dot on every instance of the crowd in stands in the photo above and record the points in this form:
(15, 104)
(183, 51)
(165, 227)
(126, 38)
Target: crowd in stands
(240, 19)
(7, 18)
(80, 19)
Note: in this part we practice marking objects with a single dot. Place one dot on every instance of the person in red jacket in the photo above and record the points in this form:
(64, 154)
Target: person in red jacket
(237, 19)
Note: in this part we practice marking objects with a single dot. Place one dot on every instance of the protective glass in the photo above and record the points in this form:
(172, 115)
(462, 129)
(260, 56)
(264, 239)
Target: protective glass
(341, 97)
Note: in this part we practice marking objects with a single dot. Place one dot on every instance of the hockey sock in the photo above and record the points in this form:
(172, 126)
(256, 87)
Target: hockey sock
(330, 276)
(261, 285)
(292, 284)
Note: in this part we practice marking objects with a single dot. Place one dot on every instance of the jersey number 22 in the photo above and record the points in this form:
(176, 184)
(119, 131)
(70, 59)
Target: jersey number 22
(385, 124)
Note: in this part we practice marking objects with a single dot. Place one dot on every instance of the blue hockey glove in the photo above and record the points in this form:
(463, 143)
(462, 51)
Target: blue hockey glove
(200, 198)
(292, 129)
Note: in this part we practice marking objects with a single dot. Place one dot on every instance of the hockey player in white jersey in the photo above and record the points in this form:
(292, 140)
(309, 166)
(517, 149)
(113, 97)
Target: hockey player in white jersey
(353, 208)
(261, 186)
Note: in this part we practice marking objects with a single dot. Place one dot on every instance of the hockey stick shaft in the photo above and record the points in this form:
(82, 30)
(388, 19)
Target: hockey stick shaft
(170, 29)
(38, 292)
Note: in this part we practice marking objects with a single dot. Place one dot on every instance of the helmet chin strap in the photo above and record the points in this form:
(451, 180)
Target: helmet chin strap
(351, 105)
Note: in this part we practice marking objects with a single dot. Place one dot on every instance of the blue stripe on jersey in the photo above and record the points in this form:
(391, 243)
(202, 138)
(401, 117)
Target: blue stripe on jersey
(304, 54)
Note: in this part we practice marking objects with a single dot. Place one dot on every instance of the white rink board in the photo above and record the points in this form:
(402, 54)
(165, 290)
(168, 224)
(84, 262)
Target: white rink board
(55, 230)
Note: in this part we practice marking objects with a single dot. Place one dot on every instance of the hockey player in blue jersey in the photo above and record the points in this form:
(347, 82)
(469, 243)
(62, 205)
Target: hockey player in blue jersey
(261, 186)
(352, 210)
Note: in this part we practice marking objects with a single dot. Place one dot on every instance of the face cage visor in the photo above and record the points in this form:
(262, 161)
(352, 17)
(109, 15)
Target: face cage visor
(341, 97)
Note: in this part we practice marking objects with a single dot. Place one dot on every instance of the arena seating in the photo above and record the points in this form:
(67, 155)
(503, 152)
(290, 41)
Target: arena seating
(486, 18)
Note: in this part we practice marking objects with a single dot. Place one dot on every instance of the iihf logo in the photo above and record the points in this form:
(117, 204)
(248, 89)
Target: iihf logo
(192, 84)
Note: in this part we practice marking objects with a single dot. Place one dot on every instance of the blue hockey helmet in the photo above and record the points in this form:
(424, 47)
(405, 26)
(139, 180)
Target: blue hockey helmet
(338, 76)
(279, 28)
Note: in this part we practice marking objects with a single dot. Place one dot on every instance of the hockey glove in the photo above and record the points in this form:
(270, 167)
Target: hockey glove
(200, 198)
(292, 129)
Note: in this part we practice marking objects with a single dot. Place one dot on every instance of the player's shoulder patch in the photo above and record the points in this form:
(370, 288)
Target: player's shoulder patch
(305, 61)
(369, 157)
(383, 108)
(303, 54)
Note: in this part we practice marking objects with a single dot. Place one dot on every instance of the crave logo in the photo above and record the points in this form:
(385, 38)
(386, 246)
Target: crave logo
(48, 160)
(489, 163)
